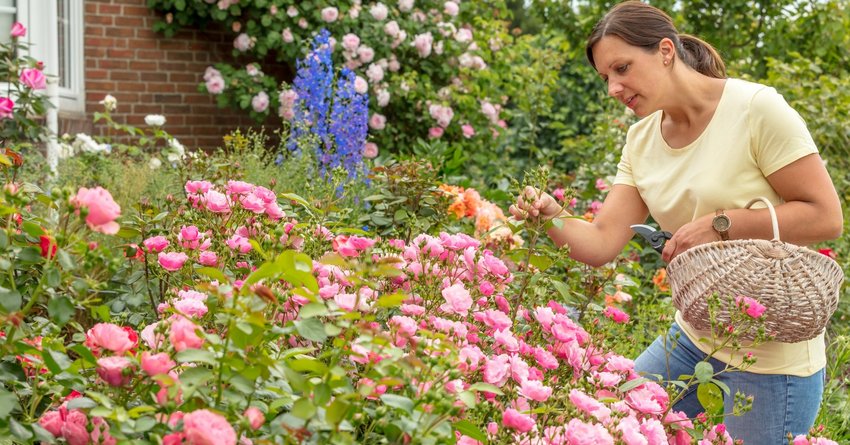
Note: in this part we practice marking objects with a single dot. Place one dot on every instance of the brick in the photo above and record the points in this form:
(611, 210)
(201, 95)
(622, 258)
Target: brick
(184, 77)
(97, 74)
(107, 9)
(91, 8)
(167, 98)
(113, 64)
(100, 41)
(97, 52)
(115, 53)
(147, 33)
(144, 44)
(145, 54)
(124, 75)
(140, 11)
(120, 32)
(94, 85)
(146, 109)
(103, 20)
(161, 87)
(172, 44)
(172, 66)
(143, 65)
(131, 86)
(130, 22)
(154, 77)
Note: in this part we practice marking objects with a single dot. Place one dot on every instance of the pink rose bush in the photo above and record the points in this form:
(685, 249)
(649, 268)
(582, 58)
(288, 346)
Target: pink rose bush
(102, 210)
(314, 324)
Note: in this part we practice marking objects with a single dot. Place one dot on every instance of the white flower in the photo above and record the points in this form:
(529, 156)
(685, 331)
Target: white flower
(383, 98)
(292, 11)
(405, 5)
(379, 12)
(154, 163)
(360, 85)
(110, 103)
(155, 120)
(84, 142)
(177, 150)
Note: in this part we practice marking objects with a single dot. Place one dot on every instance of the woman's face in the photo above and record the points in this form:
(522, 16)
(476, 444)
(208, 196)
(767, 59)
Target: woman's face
(631, 73)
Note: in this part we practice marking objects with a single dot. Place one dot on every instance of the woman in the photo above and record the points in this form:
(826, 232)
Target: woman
(704, 147)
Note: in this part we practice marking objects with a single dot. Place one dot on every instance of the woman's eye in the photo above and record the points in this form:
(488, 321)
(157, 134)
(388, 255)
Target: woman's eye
(622, 69)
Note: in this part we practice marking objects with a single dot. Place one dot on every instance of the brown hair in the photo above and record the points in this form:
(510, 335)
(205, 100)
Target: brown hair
(642, 25)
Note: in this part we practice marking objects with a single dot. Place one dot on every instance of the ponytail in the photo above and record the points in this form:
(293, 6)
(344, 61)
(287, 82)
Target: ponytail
(701, 56)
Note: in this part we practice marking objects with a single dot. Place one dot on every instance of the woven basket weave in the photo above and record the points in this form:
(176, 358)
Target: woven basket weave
(798, 286)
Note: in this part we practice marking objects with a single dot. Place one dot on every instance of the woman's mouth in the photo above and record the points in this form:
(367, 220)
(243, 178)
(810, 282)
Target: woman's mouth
(630, 102)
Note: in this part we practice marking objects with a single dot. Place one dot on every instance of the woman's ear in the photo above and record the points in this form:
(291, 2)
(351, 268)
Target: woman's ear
(667, 48)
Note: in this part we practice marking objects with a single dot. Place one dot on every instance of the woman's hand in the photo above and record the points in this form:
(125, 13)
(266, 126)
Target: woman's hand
(691, 234)
(533, 204)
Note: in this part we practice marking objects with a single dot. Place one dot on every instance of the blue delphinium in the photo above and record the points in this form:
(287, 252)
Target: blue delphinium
(337, 119)
(348, 125)
(314, 85)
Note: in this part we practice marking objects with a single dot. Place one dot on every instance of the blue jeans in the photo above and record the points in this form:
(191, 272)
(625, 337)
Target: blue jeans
(782, 404)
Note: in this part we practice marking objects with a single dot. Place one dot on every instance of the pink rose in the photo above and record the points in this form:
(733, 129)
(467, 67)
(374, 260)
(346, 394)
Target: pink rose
(172, 261)
(18, 30)
(183, 334)
(215, 85)
(70, 425)
(512, 418)
(154, 364)
(468, 130)
(370, 150)
(112, 370)
(751, 306)
(350, 42)
(615, 314)
(6, 107)
(578, 431)
(260, 102)
(457, 299)
(255, 417)
(535, 390)
(377, 121)
(330, 14)
(208, 258)
(206, 427)
(451, 8)
(103, 210)
(423, 43)
(191, 307)
(379, 12)
(155, 244)
(216, 202)
(435, 132)
(110, 337)
(33, 78)
(243, 42)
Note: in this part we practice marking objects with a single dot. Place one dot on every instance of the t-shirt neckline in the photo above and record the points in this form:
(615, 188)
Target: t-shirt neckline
(705, 130)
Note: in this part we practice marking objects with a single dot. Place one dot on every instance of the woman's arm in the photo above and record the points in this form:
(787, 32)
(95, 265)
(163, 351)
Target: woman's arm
(594, 243)
(811, 212)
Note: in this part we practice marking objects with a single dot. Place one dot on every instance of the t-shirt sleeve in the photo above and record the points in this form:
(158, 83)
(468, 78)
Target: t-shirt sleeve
(779, 133)
(624, 169)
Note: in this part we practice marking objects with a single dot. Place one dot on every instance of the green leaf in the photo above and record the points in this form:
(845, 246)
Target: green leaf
(311, 329)
(723, 386)
(313, 310)
(303, 408)
(196, 356)
(18, 430)
(145, 424)
(703, 371)
(296, 198)
(469, 429)
(128, 233)
(321, 394)
(711, 398)
(391, 300)
(65, 260)
(632, 384)
(266, 270)
(397, 401)
(337, 411)
(11, 300)
(212, 272)
(81, 403)
(540, 262)
(196, 376)
(32, 229)
(562, 288)
(60, 309)
(308, 365)
(55, 361)
(8, 402)
(468, 398)
(101, 312)
(30, 255)
(482, 386)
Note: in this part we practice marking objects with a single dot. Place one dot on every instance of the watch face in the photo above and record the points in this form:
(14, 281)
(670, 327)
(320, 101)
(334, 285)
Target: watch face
(721, 223)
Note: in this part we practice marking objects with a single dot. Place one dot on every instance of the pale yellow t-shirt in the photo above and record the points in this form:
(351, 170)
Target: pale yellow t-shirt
(753, 133)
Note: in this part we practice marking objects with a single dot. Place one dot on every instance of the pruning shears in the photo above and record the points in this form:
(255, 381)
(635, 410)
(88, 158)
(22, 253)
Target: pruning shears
(655, 238)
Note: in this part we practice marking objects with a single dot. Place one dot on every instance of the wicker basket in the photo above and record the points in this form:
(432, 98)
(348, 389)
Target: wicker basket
(798, 286)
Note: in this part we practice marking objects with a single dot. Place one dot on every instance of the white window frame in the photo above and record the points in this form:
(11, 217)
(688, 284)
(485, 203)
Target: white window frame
(40, 17)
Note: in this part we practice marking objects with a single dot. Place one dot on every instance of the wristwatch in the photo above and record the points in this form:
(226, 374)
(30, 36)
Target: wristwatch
(721, 224)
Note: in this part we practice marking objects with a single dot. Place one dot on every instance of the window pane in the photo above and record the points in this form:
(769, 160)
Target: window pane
(64, 32)
(7, 18)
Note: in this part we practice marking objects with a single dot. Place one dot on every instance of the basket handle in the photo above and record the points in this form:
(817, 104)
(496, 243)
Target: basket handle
(774, 222)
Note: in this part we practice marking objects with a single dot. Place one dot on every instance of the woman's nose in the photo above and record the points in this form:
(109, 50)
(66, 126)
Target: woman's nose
(614, 88)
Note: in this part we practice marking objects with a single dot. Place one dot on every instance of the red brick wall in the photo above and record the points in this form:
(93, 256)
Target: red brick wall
(151, 74)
